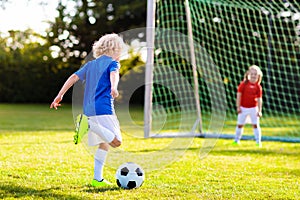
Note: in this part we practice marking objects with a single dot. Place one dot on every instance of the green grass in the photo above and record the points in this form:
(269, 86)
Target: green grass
(40, 161)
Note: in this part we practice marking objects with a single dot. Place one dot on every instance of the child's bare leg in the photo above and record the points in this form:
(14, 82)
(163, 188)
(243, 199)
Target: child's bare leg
(257, 133)
(115, 143)
(238, 132)
(104, 146)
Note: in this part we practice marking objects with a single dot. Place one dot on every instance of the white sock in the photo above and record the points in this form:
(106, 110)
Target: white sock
(257, 134)
(103, 132)
(238, 134)
(99, 158)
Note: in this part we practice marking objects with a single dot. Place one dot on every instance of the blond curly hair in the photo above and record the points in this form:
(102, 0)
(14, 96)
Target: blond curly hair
(109, 44)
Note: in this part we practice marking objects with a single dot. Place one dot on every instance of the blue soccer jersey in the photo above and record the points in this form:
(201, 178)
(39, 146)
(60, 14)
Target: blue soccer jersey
(96, 76)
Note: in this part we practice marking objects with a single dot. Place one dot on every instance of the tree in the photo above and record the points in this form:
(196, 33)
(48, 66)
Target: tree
(80, 23)
(28, 72)
(33, 67)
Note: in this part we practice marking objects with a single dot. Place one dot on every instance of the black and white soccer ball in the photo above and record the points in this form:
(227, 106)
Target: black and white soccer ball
(130, 175)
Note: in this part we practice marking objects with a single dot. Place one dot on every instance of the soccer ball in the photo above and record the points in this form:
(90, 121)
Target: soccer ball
(130, 175)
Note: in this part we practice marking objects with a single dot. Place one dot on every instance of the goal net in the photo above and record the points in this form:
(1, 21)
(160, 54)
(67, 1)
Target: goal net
(198, 53)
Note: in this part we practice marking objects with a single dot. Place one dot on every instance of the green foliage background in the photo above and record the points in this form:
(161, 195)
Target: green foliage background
(28, 71)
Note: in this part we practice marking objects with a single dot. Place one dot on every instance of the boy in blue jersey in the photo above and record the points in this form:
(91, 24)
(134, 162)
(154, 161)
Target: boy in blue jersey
(101, 77)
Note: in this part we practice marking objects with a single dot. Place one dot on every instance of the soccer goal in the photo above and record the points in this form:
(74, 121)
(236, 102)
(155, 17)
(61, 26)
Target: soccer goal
(198, 52)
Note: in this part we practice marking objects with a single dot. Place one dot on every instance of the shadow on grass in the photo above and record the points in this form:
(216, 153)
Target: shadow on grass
(16, 191)
(257, 151)
(36, 143)
(92, 189)
(231, 150)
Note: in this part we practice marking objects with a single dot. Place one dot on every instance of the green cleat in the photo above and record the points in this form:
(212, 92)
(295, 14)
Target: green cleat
(235, 143)
(81, 129)
(259, 145)
(101, 183)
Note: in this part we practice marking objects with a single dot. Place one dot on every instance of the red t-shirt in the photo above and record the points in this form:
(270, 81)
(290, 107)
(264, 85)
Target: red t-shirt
(250, 92)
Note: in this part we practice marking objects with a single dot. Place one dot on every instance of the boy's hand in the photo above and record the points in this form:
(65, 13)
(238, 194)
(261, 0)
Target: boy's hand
(238, 110)
(114, 93)
(56, 103)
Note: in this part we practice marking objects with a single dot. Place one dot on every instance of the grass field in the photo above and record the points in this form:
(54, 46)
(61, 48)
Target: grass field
(40, 161)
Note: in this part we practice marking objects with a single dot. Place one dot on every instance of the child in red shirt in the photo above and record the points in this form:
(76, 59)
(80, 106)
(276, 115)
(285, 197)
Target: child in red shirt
(249, 103)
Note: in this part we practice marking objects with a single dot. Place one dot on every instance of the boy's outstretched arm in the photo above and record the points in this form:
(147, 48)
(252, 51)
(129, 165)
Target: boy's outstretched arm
(69, 83)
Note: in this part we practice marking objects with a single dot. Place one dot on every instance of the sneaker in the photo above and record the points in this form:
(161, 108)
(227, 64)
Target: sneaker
(235, 143)
(259, 145)
(101, 183)
(81, 129)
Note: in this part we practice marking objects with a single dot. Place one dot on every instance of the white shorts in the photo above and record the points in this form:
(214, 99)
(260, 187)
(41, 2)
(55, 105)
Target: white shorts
(110, 122)
(245, 114)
